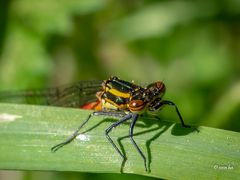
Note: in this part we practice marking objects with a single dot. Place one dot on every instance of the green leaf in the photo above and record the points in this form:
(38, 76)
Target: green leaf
(53, 16)
(27, 134)
(158, 19)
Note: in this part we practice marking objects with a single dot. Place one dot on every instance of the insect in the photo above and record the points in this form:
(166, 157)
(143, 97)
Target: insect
(112, 97)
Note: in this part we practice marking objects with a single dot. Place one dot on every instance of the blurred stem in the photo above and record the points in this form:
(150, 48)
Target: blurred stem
(225, 106)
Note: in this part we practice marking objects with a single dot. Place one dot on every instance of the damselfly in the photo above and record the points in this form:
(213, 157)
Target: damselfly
(113, 97)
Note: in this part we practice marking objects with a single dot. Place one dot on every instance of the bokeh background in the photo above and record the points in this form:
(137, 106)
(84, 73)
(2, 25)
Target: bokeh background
(193, 46)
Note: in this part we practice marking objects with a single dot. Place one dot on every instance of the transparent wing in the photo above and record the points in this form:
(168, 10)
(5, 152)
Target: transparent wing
(74, 95)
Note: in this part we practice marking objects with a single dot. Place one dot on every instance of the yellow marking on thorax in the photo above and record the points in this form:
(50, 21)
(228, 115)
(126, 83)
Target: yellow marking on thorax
(107, 103)
(118, 93)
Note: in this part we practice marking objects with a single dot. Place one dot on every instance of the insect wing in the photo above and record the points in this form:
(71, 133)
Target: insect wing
(74, 95)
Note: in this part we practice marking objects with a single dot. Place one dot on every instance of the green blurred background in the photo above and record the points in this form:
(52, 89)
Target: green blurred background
(193, 46)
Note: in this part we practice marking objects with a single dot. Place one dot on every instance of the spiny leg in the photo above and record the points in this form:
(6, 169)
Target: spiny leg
(73, 136)
(135, 117)
(108, 130)
(75, 133)
(170, 103)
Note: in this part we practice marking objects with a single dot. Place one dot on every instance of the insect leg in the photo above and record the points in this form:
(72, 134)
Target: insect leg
(170, 103)
(75, 133)
(125, 118)
(110, 114)
(73, 136)
(135, 117)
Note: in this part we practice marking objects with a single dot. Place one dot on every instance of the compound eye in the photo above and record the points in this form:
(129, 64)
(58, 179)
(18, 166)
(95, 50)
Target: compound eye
(136, 105)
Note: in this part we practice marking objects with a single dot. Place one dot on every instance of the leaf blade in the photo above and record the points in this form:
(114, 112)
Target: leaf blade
(172, 151)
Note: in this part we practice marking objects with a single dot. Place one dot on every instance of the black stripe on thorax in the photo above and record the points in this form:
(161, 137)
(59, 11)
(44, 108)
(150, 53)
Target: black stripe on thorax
(116, 99)
(121, 85)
